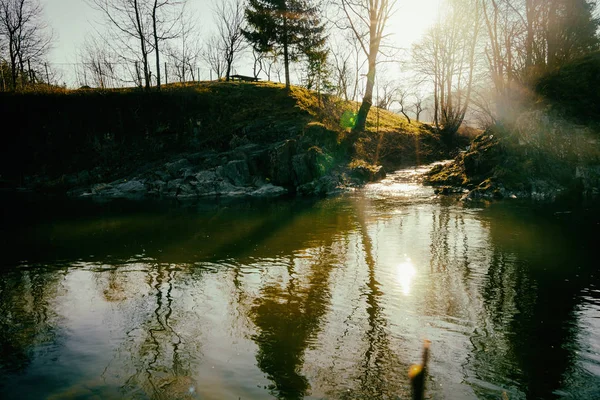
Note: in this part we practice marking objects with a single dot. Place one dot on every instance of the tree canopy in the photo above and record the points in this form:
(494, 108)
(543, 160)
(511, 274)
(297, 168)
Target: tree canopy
(290, 28)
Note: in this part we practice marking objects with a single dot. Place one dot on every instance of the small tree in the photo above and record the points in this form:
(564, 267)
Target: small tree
(446, 57)
(213, 56)
(230, 23)
(283, 27)
(25, 34)
(185, 53)
(418, 106)
(402, 97)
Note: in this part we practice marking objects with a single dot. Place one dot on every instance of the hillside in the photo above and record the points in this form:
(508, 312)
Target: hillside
(240, 137)
(548, 150)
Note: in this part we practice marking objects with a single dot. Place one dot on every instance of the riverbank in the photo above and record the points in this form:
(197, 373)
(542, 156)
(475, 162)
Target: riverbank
(546, 147)
(207, 139)
(502, 166)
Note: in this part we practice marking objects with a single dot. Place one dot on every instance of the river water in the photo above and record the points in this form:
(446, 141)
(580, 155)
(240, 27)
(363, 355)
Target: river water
(328, 298)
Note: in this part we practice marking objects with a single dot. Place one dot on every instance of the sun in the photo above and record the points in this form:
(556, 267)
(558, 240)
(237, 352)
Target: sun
(411, 20)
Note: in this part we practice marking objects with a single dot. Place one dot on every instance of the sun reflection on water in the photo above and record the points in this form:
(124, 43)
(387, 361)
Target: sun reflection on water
(405, 273)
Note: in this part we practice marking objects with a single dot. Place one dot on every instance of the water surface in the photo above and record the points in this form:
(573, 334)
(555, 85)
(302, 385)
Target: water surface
(292, 299)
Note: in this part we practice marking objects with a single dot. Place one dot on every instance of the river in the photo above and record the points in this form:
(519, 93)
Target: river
(322, 298)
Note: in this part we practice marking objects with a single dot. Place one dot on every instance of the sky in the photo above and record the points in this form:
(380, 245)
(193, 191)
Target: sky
(72, 20)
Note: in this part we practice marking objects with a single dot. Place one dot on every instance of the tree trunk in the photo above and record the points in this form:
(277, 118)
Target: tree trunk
(530, 12)
(142, 44)
(367, 102)
(13, 66)
(552, 34)
(228, 72)
(156, 44)
(286, 61)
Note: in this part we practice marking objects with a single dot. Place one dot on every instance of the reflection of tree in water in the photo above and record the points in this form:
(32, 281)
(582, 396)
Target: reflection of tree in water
(26, 316)
(288, 319)
(383, 375)
(161, 364)
(527, 339)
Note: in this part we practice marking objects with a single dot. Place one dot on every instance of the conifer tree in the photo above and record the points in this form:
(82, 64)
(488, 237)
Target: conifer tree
(290, 28)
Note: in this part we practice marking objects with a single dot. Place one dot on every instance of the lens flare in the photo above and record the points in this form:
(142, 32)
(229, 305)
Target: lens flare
(348, 119)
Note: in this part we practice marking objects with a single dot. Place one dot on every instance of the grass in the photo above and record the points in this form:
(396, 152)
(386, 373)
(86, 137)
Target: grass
(61, 130)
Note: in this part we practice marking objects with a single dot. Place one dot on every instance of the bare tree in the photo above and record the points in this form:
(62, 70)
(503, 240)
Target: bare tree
(132, 23)
(230, 22)
(98, 63)
(185, 53)
(402, 97)
(141, 25)
(166, 24)
(213, 56)
(367, 20)
(418, 106)
(341, 70)
(26, 35)
(446, 57)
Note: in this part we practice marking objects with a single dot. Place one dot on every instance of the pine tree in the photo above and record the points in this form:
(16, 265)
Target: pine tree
(284, 27)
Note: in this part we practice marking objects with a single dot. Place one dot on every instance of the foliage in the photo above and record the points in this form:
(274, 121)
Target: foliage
(574, 89)
(290, 28)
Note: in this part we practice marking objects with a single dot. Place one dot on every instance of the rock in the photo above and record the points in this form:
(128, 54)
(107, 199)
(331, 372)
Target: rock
(172, 187)
(84, 177)
(206, 176)
(131, 187)
(446, 190)
(325, 185)
(368, 173)
(281, 163)
(318, 161)
(174, 168)
(317, 133)
(236, 172)
(257, 158)
(160, 175)
(269, 190)
(302, 172)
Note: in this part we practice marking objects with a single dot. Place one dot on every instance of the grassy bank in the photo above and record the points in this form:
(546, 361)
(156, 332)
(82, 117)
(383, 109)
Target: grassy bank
(110, 132)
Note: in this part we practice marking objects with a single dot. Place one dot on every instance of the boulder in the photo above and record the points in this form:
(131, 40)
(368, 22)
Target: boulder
(131, 188)
(368, 173)
(236, 172)
(269, 190)
(302, 171)
(174, 168)
(281, 163)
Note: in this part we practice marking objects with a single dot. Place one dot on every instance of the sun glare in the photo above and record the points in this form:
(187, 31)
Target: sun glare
(411, 21)
(405, 273)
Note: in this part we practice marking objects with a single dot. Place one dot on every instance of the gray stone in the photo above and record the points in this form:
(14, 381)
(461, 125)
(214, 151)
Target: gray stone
(302, 173)
(281, 163)
(206, 176)
(236, 172)
(269, 190)
(174, 168)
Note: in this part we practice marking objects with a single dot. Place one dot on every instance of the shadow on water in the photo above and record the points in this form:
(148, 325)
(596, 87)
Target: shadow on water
(537, 273)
